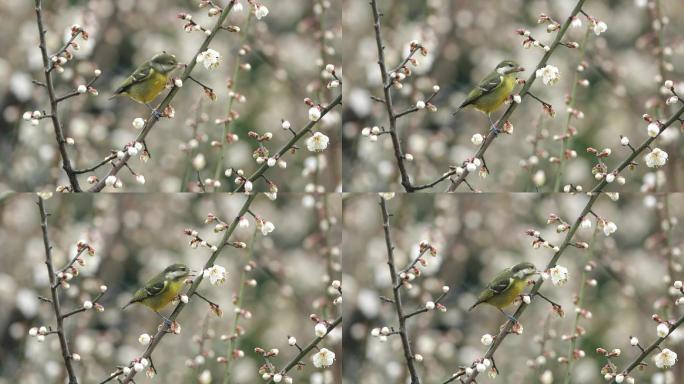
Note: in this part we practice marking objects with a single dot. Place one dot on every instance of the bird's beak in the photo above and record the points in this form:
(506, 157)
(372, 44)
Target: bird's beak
(181, 65)
(519, 69)
(193, 273)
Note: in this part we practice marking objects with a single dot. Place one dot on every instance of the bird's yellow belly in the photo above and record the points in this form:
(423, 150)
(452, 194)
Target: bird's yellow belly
(491, 102)
(149, 89)
(163, 299)
(507, 297)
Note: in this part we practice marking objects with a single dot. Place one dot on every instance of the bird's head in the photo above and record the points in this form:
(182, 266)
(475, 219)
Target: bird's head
(164, 62)
(524, 270)
(508, 66)
(176, 272)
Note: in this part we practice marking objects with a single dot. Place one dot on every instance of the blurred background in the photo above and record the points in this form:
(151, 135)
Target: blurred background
(466, 40)
(476, 237)
(135, 237)
(287, 51)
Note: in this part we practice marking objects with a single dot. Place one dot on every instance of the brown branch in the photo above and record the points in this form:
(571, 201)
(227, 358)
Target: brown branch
(423, 310)
(76, 92)
(66, 355)
(82, 309)
(304, 351)
(98, 165)
(290, 144)
(153, 119)
(649, 349)
(195, 284)
(389, 106)
(398, 152)
(528, 84)
(59, 132)
(406, 344)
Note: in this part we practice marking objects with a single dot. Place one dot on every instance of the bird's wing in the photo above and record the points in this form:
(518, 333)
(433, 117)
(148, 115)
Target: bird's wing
(485, 87)
(140, 74)
(152, 288)
(498, 285)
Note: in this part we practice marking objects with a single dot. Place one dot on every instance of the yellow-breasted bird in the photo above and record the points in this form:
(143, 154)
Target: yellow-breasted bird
(493, 90)
(160, 290)
(148, 80)
(506, 286)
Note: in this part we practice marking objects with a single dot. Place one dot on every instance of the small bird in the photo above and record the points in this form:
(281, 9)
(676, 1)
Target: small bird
(506, 286)
(493, 90)
(160, 290)
(148, 80)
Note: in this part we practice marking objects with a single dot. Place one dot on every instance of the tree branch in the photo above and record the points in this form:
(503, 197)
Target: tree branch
(406, 344)
(528, 84)
(398, 152)
(161, 332)
(650, 349)
(66, 355)
(262, 169)
(59, 132)
(304, 351)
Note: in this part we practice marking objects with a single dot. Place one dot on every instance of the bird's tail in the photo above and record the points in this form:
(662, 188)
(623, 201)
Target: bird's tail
(474, 305)
(129, 303)
(463, 105)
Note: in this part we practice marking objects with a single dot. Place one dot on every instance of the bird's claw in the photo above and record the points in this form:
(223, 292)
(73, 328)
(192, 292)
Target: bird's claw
(156, 114)
(495, 130)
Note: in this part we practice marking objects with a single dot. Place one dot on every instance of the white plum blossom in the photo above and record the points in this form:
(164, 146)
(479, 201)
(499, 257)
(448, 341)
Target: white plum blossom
(266, 227)
(210, 58)
(260, 11)
(576, 22)
(144, 339)
(138, 123)
(387, 195)
(486, 339)
(216, 275)
(662, 330)
(314, 113)
(600, 27)
(665, 359)
(609, 228)
(320, 329)
(317, 143)
(549, 74)
(656, 158)
(653, 129)
(558, 275)
(477, 139)
(324, 358)
(82, 89)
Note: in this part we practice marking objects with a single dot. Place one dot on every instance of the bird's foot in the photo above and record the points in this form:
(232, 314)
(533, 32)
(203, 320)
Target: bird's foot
(156, 114)
(495, 130)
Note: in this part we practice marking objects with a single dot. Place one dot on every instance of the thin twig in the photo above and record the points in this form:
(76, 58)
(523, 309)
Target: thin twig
(406, 344)
(96, 166)
(290, 144)
(64, 345)
(647, 351)
(304, 351)
(82, 309)
(76, 92)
